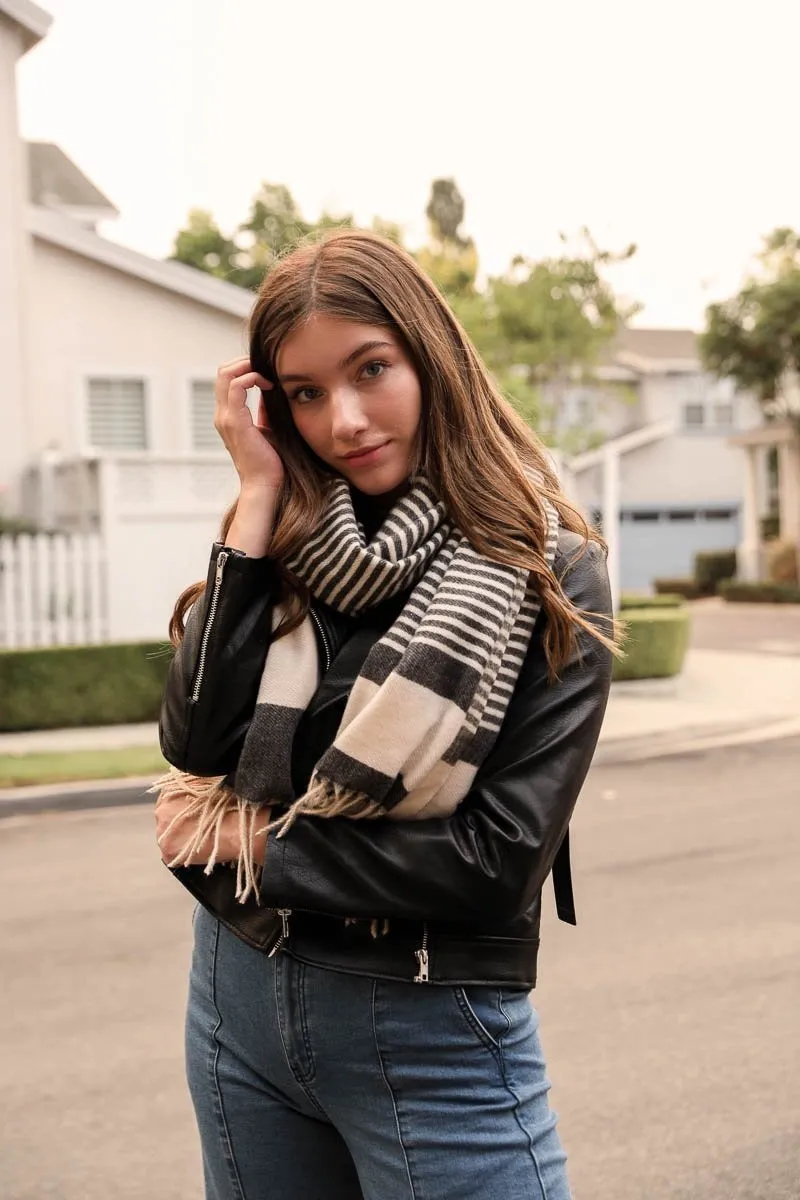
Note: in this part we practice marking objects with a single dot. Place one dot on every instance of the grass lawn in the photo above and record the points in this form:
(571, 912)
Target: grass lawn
(16, 770)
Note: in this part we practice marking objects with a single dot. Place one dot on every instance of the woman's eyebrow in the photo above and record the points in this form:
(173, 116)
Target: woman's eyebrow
(346, 362)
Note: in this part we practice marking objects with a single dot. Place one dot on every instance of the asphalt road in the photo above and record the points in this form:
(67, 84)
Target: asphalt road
(671, 1015)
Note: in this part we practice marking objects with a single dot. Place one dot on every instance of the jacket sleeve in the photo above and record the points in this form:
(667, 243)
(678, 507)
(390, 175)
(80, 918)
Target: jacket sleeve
(214, 676)
(490, 859)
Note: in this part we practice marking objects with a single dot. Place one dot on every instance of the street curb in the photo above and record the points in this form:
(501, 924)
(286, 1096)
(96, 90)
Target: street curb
(75, 797)
(619, 751)
(116, 793)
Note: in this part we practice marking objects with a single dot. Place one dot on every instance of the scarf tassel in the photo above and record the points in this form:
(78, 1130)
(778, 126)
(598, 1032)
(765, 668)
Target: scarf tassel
(207, 803)
(325, 798)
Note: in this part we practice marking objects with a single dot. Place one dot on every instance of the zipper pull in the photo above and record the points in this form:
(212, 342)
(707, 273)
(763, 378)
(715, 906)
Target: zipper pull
(422, 959)
(284, 914)
(222, 558)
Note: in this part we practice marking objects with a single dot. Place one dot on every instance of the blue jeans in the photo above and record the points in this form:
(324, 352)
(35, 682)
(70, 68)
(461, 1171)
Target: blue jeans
(310, 1084)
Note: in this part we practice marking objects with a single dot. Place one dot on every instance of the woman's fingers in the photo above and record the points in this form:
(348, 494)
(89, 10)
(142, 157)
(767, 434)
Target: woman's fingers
(234, 380)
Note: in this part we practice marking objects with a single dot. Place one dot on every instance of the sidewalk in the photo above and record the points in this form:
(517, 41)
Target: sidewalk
(719, 694)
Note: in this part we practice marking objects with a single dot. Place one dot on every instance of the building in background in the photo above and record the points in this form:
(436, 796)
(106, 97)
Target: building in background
(681, 491)
(109, 359)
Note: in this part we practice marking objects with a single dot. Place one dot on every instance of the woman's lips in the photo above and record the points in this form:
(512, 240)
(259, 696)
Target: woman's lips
(366, 457)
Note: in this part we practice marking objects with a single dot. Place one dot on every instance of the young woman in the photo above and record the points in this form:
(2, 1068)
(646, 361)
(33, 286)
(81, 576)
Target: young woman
(380, 716)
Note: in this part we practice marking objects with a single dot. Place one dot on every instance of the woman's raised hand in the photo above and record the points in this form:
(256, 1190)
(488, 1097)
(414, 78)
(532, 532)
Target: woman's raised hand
(246, 439)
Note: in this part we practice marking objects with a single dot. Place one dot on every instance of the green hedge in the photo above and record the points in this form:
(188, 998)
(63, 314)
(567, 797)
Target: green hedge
(656, 643)
(82, 685)
(678, 586)
(662, 600)
(759, 593)
(711, 567)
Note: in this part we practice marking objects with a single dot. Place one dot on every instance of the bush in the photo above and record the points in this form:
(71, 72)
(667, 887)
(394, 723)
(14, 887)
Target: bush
(711, 567)
(680, 587)
(736, 591)
(662, 600)
(81, 685)
(781, 562)
(656, 643)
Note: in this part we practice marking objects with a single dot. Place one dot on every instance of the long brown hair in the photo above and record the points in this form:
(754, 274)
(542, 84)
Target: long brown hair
(473, 447)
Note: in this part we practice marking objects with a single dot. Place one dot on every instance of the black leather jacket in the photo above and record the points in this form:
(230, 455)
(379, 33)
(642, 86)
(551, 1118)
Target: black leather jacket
(461, 895)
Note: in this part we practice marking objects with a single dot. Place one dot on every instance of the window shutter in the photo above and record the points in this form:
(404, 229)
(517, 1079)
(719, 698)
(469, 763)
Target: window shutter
(117, 415)
(204, 435)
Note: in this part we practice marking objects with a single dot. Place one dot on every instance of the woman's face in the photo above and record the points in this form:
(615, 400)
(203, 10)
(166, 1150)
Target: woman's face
(355, 399)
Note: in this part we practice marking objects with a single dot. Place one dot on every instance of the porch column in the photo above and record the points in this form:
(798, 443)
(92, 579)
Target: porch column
(789, 489)
(611, 518)
(749, 552)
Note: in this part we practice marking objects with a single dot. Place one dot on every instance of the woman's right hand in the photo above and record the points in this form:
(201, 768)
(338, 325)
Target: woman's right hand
(256, 460)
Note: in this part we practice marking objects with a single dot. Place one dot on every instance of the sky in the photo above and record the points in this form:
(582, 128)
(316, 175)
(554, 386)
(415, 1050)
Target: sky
(671, 125)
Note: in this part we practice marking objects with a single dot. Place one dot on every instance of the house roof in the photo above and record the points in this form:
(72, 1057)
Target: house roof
(656, 344)
(55, 181)
(32, 20)
(654, 351)
(58, 230)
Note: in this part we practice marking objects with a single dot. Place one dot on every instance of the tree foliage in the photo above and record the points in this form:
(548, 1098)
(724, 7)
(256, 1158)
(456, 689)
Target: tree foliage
(540, 325)
(449, 258)
(202, 244)
(753, 337)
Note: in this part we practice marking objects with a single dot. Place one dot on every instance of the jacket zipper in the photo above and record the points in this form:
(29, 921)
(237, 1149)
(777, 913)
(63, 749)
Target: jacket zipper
(422, 958)
(318, 624)
(222, 559)
(284, 914)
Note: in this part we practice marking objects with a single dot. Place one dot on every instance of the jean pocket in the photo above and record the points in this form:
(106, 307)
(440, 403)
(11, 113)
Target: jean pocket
(482, 1009)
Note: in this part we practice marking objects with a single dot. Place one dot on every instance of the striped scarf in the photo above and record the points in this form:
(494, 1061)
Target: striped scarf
(432, 693)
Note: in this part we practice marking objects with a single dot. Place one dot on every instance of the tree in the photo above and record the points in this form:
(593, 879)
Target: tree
(450, 259)
(273, 225)
(201, 244)
(753, 338)
(544, 326)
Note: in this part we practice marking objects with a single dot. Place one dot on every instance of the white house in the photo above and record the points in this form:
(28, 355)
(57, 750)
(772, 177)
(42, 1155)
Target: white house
(681, 490)
(108, 362)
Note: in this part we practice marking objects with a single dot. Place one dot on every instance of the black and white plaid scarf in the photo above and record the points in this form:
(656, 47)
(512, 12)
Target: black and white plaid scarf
(433, 691)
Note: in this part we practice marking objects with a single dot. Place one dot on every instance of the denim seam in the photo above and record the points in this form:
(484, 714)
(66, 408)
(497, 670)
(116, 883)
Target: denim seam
(389, 1089)
(301, 1082)
(476, 1025)
(515, 1097)
(213, 1064)
(301, 995)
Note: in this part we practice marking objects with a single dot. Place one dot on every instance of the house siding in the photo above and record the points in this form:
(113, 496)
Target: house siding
(87, 319)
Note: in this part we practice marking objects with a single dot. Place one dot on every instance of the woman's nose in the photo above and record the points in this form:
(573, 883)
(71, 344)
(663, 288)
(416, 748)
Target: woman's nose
(347, 415)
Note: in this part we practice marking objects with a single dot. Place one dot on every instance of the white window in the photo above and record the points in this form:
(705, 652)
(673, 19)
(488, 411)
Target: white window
(201, 416)
(117, 414)
(694, 416)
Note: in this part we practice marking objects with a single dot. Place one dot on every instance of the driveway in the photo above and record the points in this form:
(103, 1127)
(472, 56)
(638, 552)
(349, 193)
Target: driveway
(759, 628)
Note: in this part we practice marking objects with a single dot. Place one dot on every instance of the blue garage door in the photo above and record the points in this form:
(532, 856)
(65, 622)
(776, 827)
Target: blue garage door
(662, 542)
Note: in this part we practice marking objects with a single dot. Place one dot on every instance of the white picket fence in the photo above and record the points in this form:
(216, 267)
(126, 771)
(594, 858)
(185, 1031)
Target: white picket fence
(52, 590)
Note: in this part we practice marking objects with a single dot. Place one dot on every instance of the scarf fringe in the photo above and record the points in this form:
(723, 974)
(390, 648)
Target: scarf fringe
(210, 801)
(325, 798)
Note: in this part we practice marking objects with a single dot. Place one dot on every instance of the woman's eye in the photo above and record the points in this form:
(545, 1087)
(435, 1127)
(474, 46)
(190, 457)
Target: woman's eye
(373, 370)
(306, 394)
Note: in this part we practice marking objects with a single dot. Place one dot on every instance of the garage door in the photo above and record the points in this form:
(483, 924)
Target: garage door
(658, 542)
